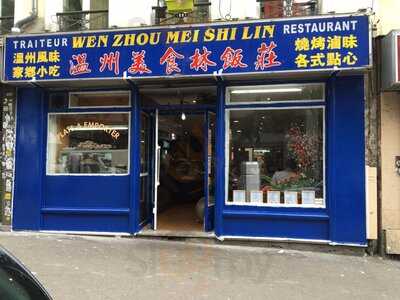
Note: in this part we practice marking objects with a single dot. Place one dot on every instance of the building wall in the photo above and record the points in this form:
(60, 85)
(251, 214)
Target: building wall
(139, 12)
(234, 9)
(22, 10)
(345, 6)
(387, 12)
(390, 148)
(130, 13)
(51, 7)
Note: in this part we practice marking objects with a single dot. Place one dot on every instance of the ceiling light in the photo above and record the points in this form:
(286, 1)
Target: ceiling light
(183, 116)
(235, 121)
(266, 91)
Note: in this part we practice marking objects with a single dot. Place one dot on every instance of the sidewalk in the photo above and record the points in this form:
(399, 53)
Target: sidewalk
(74, 267)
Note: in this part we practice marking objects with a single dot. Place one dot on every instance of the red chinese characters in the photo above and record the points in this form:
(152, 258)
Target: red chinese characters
(169, 59)
(232, 58)
(138, 63)
(78, 64)
(201, 60)
(266, 57)
(110, 61)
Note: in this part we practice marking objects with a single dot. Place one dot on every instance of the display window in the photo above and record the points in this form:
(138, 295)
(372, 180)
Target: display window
(275, 155)
(88, 143)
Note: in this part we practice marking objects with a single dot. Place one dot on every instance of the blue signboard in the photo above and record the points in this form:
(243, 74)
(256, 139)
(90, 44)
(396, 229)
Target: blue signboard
(263, 46)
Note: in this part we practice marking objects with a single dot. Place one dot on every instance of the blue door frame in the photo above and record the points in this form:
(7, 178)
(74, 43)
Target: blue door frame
(166, 110)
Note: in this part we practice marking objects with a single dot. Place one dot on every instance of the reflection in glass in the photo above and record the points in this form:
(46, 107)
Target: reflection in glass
(276, 93)
(95, 143)
(276, 156)
(99, 99)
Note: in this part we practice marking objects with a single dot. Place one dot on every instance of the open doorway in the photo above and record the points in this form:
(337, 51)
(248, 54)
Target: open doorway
(177, 159)
(181, 190)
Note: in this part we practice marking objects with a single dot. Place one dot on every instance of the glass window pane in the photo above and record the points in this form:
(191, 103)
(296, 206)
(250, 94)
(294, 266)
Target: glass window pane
(95, 99)
(96, 143)
(276, 157)
(144, 143)
(72, 5)
(276, 93)
(58, 101)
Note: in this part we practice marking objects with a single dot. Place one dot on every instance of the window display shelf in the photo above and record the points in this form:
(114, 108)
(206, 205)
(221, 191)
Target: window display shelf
(94, 161)
(281, 205)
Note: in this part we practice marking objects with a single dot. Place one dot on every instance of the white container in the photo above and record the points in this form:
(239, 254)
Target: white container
(239, 196)
(256, 197)
(308, 197)
(290, 198)
(273, 197)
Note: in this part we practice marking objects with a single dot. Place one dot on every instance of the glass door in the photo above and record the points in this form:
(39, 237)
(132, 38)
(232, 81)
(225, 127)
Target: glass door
(149, 169)
(145, 168)
(209, 177)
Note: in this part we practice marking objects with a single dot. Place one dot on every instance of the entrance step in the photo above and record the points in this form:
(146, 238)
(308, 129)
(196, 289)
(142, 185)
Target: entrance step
(175, 234)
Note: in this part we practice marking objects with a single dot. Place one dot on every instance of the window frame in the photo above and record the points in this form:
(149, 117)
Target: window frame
(100, 93)
(128, 173)
(281, 105)
(283, 85)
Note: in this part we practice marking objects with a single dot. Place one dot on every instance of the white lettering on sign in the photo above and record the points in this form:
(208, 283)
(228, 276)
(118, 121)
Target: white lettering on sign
(40, 43)
(329, 26)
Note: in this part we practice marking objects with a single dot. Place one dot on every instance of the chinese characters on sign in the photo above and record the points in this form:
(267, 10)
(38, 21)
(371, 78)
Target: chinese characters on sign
(312, 54)
(265, 46)
(30, 64)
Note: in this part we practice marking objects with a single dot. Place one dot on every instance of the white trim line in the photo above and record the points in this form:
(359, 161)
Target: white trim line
(291, 240)
(90, 233)
(245, 87)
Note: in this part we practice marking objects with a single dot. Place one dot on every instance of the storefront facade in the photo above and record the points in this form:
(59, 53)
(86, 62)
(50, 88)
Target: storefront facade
(260, 123)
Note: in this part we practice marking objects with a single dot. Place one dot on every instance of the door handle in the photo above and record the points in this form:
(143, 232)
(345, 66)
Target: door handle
(158, 164)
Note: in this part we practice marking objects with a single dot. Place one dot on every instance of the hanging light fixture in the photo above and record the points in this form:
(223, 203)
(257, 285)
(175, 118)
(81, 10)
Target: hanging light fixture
(183, 116)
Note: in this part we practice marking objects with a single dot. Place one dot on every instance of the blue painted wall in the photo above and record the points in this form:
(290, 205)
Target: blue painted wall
(346, 160)
(28, 160)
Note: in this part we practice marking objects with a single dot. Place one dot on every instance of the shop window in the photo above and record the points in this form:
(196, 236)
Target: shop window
(90, 143)
(102, 99)
(276, 93)
(276, 157)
